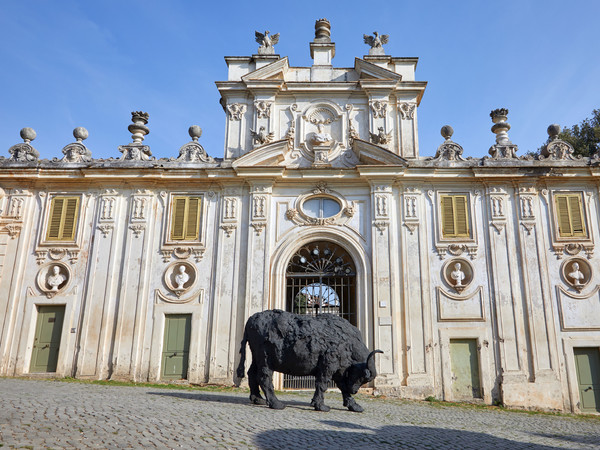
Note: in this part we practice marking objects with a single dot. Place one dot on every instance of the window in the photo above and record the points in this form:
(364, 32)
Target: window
(569, 215)
(62, 222)
(185, 218)
(455, 216)
(321, 207)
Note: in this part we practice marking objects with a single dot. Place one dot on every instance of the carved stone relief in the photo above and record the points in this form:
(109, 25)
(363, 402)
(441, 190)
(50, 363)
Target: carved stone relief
(381, 137)
(263, 109)
(407, 110)
(193, 151)
(577, 273)
(53, 278)
(449, 150)
(236, 111)
(379, 108)
(300, 217)
(77, 152)
(458, 273)
(180, 277)
(24, 152)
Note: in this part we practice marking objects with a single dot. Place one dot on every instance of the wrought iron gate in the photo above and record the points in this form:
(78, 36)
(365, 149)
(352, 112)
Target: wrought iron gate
(320, 278)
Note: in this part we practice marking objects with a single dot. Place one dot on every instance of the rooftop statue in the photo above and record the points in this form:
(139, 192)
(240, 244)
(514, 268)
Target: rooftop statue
(381, 137)
(262, 137)
(376, 42)
(266, 42)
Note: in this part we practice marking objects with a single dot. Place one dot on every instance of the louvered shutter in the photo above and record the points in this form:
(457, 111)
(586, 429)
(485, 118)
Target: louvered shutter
(461, 215)
(576, 213)
(193, 219)
(178, 218)
(447, 216)
(54, 220)
(562, 213)
(62, 221)
(69, 219)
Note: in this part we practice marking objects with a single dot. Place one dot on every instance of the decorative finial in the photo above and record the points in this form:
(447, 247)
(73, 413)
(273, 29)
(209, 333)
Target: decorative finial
(136, 151)
(501, 126)
(504, 148)
(557, 149)
(138, 128)
(266, 42)
(449, 150)
(447, 131)
(553, 131)
(376, 42)
(76, 152)
(322, 31)
(195, 132)
(193, 151)
(80, 134)
(24, 152)
(28, 134)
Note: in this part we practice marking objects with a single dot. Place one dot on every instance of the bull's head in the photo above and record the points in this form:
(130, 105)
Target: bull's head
(360, 373)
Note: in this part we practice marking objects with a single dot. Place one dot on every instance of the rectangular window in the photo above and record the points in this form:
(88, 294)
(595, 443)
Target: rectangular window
(455, 216)
(62, 222)
(569, 215)
(185, 218)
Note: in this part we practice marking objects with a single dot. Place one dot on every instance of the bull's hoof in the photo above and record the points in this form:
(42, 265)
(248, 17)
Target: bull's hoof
(277, 405)
(323, 408)
(355, 407)
(257, 400)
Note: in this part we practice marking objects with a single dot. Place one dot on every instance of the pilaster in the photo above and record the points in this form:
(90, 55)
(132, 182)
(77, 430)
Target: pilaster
(101, 289)
(223, 344)
(134, 295)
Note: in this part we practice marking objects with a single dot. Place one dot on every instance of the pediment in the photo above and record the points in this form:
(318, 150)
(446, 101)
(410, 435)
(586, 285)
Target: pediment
(274, 71)
(369, 71)
(371, 154)
(268, 155)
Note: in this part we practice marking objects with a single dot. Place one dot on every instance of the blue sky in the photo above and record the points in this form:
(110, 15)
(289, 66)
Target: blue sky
(78, 63)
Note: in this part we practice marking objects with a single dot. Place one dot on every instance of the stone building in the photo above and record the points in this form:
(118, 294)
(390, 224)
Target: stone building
(475, 276)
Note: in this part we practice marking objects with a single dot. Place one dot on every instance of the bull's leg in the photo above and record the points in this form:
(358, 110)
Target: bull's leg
(255, 396)
(349, 401)
(266, 383)
(321, 381)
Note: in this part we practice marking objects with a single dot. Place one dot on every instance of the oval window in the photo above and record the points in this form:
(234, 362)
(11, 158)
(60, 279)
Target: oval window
(321, 207)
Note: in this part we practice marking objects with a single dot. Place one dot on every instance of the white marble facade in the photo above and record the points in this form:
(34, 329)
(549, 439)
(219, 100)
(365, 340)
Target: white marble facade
(524, 292)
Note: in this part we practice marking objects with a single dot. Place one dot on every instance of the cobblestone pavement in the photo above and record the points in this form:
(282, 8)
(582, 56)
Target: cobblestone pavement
(41, 414)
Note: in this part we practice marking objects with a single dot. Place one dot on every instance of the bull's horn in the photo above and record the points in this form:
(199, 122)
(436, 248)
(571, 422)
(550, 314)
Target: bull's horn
(371, 361)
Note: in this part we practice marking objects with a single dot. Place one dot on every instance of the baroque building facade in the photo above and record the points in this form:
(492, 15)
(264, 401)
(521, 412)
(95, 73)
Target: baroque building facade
(476, 277)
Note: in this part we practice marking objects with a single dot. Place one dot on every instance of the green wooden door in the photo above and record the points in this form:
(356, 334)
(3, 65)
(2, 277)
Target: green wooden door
(176, 346)
(46, 344)
(587, 362)
(464, 359)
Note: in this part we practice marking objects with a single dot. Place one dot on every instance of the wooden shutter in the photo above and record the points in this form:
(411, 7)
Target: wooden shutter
(62, 222)
(447, 216)
(56, 209)
(569, 215)
(193, 219)
(185, 220)
(461, 217)
(455, 216)
(576, 213)
(178, 219)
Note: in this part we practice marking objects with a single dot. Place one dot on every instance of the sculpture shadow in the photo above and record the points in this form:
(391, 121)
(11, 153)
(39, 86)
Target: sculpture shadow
(220, 398)
(387, 437)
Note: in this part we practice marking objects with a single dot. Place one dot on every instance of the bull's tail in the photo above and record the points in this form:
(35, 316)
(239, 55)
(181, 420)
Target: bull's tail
(241, 367)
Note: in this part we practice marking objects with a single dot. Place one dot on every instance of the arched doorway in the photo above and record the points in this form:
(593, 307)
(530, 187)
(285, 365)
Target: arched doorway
(320, 278)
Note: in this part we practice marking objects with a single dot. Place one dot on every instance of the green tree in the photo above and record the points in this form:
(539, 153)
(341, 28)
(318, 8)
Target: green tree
(584, 137)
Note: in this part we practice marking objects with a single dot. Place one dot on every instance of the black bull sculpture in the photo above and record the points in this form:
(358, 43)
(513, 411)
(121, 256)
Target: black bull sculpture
(325, 346)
